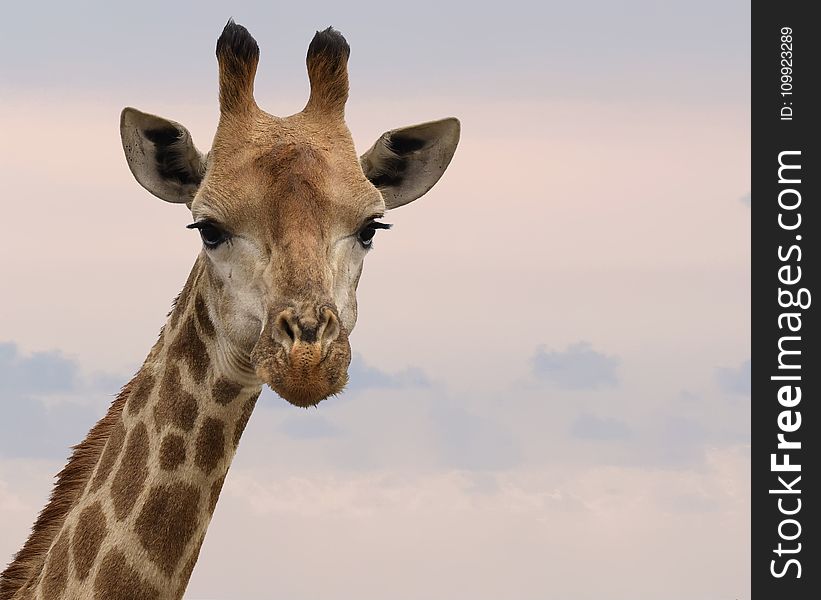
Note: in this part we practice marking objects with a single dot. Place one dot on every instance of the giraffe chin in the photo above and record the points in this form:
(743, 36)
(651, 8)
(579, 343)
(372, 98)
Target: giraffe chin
(303, 376)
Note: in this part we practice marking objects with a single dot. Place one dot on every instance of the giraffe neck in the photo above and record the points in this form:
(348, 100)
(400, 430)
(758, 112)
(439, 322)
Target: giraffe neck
(136, 529)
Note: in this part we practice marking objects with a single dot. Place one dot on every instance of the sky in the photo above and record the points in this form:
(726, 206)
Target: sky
(550, 393)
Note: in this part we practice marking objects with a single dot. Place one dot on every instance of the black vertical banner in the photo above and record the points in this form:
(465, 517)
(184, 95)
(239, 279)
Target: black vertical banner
(786, 64)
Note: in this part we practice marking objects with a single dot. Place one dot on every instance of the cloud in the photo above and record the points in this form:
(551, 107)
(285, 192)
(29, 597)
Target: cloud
(392, 418)
(539, 526)
(469, 441)
(591, 427)
(580, 367)
(735, 380)
(679, 441)
(40, 372)
(362, 376)
(33, 423)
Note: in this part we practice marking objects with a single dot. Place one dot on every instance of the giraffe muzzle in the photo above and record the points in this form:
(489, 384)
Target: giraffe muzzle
(303, 355)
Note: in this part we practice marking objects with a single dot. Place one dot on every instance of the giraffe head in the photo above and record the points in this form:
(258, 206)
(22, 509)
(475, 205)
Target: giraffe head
(286, 210)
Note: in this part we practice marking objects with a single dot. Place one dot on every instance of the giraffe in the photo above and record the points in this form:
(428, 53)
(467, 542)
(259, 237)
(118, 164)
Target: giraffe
(286, 212)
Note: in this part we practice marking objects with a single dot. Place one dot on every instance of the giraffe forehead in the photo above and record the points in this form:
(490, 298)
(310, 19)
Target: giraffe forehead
(285, 178)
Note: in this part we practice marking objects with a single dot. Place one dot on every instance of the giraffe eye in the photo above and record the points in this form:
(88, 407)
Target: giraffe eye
(212, 236)
(367, 232)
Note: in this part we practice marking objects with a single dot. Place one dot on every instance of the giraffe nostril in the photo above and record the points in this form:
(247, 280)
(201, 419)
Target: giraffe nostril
(286, 328)
(330, 329)
(289, 329)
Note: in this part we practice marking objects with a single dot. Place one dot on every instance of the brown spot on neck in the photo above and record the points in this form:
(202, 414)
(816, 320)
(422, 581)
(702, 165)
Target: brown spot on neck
(167, 522)
(110, 455)
(118, 579)
(87, 539)
(201, 310)
(188, 348)
(133, 471)
(225, 391)
(172, 452)
(210, 444)
(175, 405)
(144, 384)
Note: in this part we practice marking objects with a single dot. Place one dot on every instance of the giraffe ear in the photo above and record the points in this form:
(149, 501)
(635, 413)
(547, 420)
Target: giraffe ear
(161, 156)
(405, 163)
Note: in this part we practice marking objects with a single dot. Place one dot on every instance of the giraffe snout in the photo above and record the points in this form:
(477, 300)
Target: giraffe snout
(303, 353)
(293, 328)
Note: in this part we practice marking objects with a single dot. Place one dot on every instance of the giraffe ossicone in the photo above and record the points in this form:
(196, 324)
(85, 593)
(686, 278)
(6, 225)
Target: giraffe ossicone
(287, 212)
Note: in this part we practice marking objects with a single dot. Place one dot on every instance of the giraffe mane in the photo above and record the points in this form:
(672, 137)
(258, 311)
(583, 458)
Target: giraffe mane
(71, 482)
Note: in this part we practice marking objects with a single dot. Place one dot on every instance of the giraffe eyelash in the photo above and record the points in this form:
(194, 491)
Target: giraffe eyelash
(368, 230)
(212, 234)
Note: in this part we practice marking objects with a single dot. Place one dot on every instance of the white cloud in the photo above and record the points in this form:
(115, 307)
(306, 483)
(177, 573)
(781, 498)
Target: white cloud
(579, 367)
(529, 533)
(363, 376)
(47, 403)
(37, 373)
(466, 440)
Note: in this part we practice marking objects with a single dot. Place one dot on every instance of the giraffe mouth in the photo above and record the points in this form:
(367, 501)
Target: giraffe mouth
(303, 374)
